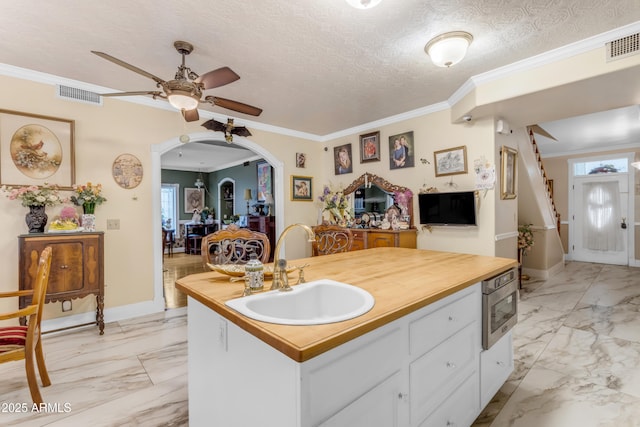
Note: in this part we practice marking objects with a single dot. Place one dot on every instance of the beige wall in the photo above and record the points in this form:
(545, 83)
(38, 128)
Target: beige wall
(102, 133)
(432, 132)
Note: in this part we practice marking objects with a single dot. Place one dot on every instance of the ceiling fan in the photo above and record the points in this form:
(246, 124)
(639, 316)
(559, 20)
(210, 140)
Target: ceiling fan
(229, 129)
(184, 92)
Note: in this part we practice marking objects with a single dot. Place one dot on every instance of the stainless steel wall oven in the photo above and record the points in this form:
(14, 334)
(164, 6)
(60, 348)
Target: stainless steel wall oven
(499, 306)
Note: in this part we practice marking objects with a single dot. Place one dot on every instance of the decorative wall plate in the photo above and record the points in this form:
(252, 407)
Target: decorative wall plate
(127, 171)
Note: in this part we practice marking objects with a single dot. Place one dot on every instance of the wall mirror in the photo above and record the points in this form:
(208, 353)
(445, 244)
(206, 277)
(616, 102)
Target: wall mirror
(374, 195)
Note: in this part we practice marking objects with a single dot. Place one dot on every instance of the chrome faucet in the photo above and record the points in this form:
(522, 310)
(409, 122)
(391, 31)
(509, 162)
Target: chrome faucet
(280, 279)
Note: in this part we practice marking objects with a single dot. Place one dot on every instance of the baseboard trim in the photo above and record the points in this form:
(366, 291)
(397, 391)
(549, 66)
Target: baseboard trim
(544, 274)
(110, 315)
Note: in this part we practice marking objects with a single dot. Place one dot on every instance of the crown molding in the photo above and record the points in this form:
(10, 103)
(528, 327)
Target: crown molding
(582, 46)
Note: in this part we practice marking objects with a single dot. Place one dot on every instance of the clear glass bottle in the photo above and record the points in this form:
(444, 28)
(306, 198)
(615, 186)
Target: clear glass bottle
(255, 271)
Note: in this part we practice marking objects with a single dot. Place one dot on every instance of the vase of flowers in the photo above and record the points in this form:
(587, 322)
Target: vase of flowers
(88, 196)
(525, 242)
(336, 203)
(36, 198)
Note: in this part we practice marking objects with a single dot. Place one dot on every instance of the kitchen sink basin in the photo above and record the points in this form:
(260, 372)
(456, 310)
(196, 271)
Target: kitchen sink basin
(312, 303)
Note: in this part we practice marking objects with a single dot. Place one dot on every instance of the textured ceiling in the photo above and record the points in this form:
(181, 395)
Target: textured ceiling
(314, 66)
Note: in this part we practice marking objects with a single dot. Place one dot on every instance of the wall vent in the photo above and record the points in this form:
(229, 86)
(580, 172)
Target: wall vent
(621, 48)
(81, 95)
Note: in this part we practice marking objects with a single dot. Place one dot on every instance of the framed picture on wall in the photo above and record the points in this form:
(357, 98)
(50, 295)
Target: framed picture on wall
(342, 159)
(301, 188)
(401, 150)
(35, 149)
(452, 161)
(193, 199)
(370, 147)
(508, 173)
(265, 184)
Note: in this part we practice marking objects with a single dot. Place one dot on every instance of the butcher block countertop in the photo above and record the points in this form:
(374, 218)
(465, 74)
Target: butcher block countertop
(401, 281)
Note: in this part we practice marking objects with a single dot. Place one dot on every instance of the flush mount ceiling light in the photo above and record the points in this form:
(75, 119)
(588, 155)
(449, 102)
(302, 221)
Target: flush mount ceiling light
(363, 4)
(448, 49)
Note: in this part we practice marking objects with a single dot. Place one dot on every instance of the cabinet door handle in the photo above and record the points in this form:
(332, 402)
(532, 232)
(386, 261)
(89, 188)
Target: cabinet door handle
(451, 318)
(500, 363)
(64, 266)
(451, 365)
(450, 423)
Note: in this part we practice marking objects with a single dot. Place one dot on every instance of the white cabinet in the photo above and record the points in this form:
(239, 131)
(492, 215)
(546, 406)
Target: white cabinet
(496, 364)
(378, 407)
(445, 346)
(423, 369)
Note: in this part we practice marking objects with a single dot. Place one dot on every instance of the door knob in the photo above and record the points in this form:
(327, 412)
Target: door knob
(623, 225)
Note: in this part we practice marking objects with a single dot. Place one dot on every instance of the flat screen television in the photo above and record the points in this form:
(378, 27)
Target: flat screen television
(457, 209)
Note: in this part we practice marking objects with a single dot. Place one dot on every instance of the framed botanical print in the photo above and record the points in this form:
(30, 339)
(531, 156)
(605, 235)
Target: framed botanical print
(452, 161)
(301, 188)
(36, 149)
(265, 183)
(401, 150)
(508, 175)
(370, 147)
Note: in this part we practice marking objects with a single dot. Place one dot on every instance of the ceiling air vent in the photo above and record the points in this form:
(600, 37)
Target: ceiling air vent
(80, 95)
(621, 48)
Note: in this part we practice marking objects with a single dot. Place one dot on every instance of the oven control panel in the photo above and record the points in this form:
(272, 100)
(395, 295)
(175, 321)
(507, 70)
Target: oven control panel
(499, 281)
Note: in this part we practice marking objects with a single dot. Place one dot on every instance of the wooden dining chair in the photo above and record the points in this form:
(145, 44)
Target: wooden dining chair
(331, 239)
(24, 342)
(233, 245)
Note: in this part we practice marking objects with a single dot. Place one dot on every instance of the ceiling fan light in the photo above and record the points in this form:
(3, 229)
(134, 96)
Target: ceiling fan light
(448, 49)
(363, 4)
(182, 100)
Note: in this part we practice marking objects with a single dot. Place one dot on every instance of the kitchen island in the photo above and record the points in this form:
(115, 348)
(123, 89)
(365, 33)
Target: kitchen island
(381, 368)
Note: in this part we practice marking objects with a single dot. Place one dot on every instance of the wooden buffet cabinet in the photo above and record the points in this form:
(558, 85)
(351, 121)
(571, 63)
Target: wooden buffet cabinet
(266, 225)
(77, 267)
(375, 238)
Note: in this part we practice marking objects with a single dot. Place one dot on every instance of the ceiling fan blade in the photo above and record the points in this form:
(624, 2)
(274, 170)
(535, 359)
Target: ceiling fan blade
(214, 125)
(142, 92)
(537, 129)
(241, 131)
(234, 105)
(128, 66)
(216, 78)
(190, 115)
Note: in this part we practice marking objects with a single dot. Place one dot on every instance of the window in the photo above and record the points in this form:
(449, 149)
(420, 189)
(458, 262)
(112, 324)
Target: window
(169, 205)
(594, 167)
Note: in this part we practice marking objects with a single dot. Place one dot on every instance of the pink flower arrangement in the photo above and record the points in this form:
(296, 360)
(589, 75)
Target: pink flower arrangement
(32, 195)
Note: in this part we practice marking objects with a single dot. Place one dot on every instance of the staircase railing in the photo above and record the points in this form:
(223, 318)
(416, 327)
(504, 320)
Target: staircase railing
(547, 182)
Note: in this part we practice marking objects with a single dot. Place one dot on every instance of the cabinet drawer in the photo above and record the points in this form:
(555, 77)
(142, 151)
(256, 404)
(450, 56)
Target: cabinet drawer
(458, 409)
(496, 364)
(378, 407)
(433, 328)
(382, 240)
(441, 371)
(366, 362)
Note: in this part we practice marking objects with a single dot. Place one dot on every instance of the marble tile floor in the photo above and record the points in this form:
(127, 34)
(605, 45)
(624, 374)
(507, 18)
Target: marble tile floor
(133, 375)
(577, 351)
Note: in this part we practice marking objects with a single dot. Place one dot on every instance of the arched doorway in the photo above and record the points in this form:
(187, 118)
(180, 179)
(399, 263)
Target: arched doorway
(156, 152)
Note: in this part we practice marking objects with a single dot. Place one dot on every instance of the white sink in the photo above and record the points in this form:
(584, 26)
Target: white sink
(312, 303)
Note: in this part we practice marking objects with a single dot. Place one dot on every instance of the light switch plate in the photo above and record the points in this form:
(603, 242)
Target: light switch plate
(113, 224)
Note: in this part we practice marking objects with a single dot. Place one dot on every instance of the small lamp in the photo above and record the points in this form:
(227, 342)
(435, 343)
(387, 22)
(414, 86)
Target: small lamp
(247, 197)
(268, 201)
(448, 49)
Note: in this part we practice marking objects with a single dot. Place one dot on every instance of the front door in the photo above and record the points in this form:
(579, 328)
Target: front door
(601, 220)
